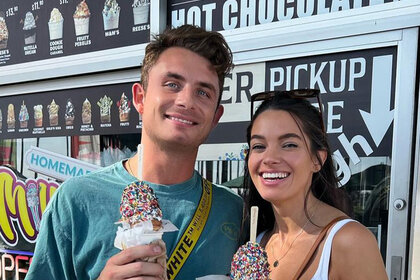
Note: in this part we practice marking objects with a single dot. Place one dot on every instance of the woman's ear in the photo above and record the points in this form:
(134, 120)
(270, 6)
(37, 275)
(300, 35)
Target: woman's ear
(322, 155)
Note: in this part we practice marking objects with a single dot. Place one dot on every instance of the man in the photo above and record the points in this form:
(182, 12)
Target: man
(179, 99)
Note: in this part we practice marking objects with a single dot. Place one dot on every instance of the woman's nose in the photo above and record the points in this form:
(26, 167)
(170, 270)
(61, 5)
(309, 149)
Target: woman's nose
(271, 157)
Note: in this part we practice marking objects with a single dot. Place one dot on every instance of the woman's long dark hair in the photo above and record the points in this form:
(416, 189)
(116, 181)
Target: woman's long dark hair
(324, 183)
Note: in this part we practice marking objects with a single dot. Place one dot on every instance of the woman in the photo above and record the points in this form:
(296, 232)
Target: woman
(289, 174)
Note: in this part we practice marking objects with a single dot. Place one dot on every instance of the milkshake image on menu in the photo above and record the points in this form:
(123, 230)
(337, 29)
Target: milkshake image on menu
(81, 19)
(111, 14)
(86, 112)
(53, 113)
(124, 108)
(69, 114)
(23, 115)
(38, 116)
(4, 33)
(105, 109)
(11, 116)
(55, 25)
(141, 10)
(29, 28)
(32, 198)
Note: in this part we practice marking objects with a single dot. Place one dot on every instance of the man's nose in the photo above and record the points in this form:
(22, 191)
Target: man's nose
(185, 98)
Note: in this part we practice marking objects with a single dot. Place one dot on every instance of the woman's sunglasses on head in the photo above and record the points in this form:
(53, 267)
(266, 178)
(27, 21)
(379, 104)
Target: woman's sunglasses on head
(296, 93)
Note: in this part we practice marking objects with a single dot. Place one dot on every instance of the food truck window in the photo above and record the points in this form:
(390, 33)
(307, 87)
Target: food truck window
(100, 150)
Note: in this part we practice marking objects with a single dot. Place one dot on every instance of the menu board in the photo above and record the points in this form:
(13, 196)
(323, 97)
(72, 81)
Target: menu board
(42, 29)
(101, 110)
(217, 15)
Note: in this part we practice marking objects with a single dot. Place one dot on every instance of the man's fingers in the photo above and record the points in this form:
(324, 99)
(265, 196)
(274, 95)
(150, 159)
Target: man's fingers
(145, 269)
(134, 253)
(145, 278)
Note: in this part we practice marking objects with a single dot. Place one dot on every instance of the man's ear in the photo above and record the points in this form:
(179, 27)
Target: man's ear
(323, 156)
(138, 97)
(217, 115)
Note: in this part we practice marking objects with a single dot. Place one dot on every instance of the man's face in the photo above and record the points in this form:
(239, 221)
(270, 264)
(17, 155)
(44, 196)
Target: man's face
(179, 107)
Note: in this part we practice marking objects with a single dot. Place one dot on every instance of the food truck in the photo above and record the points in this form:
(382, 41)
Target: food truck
(67, 66)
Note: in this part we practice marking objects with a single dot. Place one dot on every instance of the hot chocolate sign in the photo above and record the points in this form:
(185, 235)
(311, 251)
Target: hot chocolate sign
(22, 204)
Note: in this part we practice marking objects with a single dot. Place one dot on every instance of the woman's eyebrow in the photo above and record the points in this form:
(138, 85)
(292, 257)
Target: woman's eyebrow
(281, 137)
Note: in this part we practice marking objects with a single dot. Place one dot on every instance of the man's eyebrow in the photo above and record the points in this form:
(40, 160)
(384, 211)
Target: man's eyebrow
(175, 76)
(207, 85)
(281, 137)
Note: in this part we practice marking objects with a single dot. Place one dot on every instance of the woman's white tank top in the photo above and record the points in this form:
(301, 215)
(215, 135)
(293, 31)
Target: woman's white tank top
(324, 262)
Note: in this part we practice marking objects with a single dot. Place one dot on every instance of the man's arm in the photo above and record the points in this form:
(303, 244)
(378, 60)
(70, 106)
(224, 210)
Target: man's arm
(52, 257)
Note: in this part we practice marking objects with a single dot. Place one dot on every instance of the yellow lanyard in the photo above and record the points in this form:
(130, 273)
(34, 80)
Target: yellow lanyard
(191, 234)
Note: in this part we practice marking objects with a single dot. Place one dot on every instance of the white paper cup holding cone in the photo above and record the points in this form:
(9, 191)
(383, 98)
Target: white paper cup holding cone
(143, 234)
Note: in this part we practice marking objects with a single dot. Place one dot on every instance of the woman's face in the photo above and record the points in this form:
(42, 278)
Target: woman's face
(280, 163)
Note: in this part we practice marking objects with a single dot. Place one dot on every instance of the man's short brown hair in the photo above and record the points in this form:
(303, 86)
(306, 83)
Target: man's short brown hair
(208, 44)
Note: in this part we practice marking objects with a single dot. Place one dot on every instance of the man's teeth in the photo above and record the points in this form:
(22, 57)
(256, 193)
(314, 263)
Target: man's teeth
(279, 175)
(181, 120)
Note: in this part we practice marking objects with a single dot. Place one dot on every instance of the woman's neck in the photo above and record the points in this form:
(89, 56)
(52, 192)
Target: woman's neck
(291, 217)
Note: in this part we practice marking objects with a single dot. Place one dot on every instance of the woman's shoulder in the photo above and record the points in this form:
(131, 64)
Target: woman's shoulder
(353, 234)
(355, 253)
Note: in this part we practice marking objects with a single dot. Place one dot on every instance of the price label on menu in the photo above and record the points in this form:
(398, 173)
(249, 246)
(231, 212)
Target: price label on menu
(63, 2)
(12, 11)
(37, 5)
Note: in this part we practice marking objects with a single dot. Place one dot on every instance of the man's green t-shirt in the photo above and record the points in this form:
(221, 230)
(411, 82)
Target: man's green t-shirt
(78, 226)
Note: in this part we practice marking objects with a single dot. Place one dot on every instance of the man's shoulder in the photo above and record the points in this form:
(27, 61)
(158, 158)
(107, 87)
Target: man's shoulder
(227, 194)
(100, 178)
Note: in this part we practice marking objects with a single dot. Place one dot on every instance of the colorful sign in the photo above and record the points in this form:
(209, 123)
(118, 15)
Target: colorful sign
(14, 264)
(55, 165)
(21, 208)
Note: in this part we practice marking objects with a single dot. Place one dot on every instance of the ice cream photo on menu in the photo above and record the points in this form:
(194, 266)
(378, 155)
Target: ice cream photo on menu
(105, 108)
(124, 108)
(29, 28)
(4, 33)
(55, 25)
(81, 19)
(69, 114)
(23, 115)
(111, 14)
(53, 113)
(141, 10)
(32, 198)
(38, 116)
(86, 112)
(11, 116)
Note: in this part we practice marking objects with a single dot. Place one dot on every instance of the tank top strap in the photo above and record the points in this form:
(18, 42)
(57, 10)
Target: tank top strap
(324, 262)
(260, 236)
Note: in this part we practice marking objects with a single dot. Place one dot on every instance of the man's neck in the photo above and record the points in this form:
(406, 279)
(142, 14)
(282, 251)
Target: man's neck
(164, 166)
